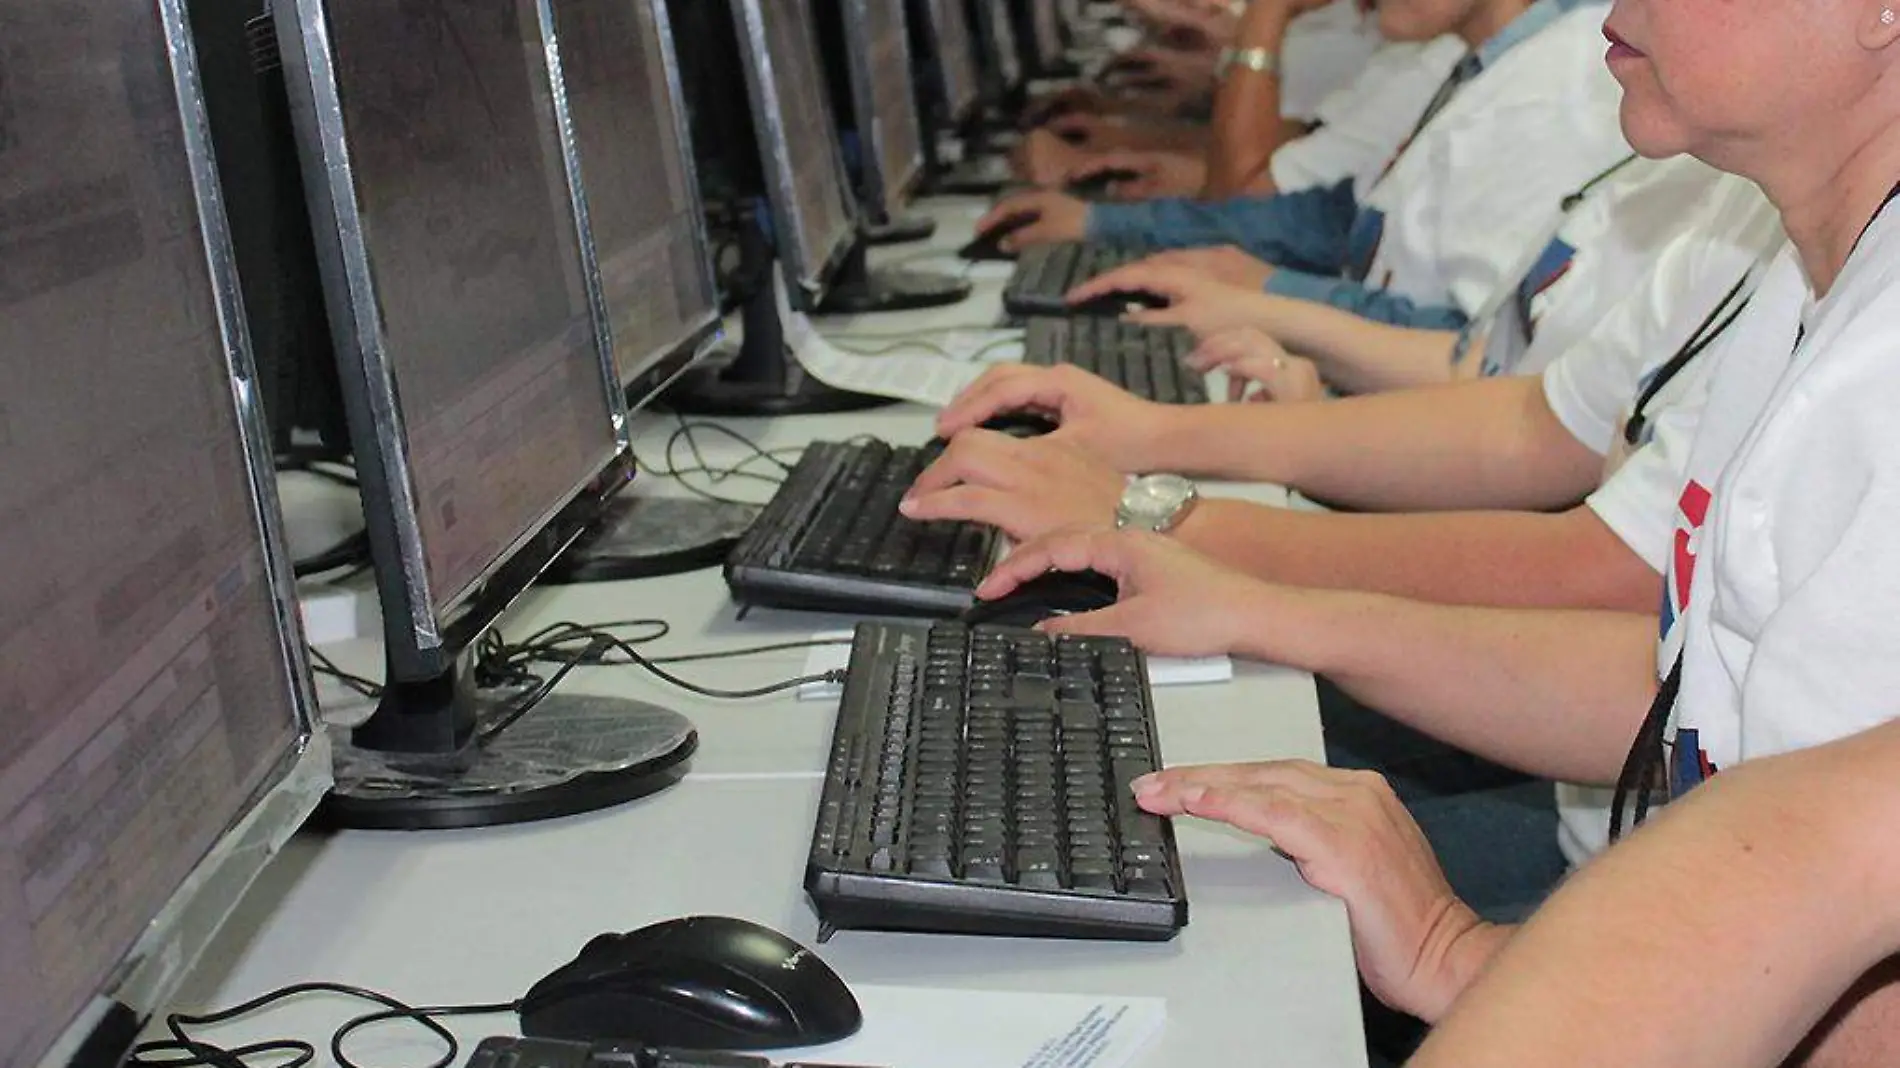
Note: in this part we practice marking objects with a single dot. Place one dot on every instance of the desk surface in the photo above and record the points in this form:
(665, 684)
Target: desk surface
(1263, 970)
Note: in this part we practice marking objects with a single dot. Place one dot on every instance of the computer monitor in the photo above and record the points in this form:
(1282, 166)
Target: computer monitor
(953, 90)
(998, 53)
(159, 742)
(1039, 24)
(950, 91)
(270, 228)
(792, 189)
(485, 411)
(869, 41)
(659, 303)
(642, 196)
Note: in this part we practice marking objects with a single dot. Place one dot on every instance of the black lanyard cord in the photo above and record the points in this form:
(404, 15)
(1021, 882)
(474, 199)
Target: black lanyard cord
(1704, 336)
(1645, 757)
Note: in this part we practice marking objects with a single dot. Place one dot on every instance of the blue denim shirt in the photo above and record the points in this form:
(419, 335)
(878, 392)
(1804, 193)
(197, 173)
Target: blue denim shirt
(1308, 234)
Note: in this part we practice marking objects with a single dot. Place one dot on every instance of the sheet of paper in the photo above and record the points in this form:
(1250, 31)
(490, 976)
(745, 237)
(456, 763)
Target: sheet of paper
(916, 1027)
(921, 377)
(1162, 670)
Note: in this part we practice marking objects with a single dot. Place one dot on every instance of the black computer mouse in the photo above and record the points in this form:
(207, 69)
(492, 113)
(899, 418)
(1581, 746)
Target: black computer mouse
(1058, 593)
(988, 246)
(1118, 303)
(1100, 183)
(1021, 424)
(701, 982)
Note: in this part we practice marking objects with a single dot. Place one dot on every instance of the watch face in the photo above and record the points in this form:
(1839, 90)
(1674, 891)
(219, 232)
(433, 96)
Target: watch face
(1153, 499)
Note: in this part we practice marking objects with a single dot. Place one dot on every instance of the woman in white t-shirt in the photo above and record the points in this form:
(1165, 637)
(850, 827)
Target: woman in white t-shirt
(1781, 607)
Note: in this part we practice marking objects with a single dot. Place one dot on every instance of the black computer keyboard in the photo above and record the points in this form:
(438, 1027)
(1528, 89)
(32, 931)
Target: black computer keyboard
(1148, 361)
(832, 539)
(1046, 273)
(979, 784)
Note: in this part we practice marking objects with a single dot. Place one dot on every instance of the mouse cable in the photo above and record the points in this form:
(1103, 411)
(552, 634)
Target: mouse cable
(671, 468)
(182, 1050)
(546, 646)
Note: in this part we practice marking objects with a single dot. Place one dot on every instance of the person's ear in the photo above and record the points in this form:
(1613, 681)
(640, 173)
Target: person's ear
(1879, 24)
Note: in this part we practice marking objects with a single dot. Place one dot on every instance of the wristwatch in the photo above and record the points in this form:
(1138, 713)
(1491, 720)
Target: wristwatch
(1259, 60)
(1155, 502)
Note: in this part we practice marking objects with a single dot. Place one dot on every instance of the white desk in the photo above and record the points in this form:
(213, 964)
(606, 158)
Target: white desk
(1263, 974)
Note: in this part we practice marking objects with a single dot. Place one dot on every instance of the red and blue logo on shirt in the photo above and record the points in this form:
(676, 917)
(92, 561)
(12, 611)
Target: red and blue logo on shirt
(1692, 510)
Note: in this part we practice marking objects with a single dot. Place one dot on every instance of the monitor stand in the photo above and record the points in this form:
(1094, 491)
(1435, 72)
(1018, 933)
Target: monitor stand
(859, 289)
(647, 537)
(900, 230)
(764, 378)
(427, 760)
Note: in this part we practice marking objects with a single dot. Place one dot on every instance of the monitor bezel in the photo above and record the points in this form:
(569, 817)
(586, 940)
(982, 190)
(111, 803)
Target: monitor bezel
(1006, 55)
(956, 112)
(807, 282)
(420, 643)
(886, 194)
(657, 368)
(176, 937)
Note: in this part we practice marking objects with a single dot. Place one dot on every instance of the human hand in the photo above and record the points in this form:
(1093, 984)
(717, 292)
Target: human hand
(1058, 217)
(1227, 263)
(1024, 487)
(1165, 70)
(1196, 300)
(1096, 416)
(1172, 601)
(1416, 943)
(1072, 100)
(1083, 128)
(1252, 358)
(1047, 160)
(1156, 174)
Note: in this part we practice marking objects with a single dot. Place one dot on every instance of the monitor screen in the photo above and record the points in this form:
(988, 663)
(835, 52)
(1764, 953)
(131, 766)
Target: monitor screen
(482, 323)
(147, 669)
(642, 203)
(814, 213)
(888, 129)
(948, 29)
(1045, 23)
(1005, 61)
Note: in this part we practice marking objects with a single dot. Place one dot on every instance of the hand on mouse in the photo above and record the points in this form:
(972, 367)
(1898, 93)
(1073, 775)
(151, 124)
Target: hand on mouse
(1096, 416)
(1047, 160)
(1058, 218)
(1416, 943)
(1196, 300)
(1157, 174)
(1227, 264)
(1258, 367)
(1174, 601)
(1024, 487)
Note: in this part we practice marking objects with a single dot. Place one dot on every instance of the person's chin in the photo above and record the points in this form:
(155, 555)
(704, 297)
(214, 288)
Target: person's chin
(1649, 132)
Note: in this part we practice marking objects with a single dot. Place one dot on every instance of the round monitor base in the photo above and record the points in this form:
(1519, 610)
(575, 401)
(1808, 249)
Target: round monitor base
(900, 230)
(569, 754)
(892, 290)
(707, 393)
(648, 537)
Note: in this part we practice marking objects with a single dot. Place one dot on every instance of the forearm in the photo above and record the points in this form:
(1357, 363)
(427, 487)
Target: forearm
(1248, 127)
(1357, 354)
(1734, 976)
(1485, 444)
(1555, 694)
(1497, 559)
(1156, 134)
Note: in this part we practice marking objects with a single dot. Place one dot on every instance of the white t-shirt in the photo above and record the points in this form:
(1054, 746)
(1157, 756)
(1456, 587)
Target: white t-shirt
(1362, 125)
(1605, 241)
(1593, 386)
(1783, 587)
(1323, 53)
(1447, 224)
